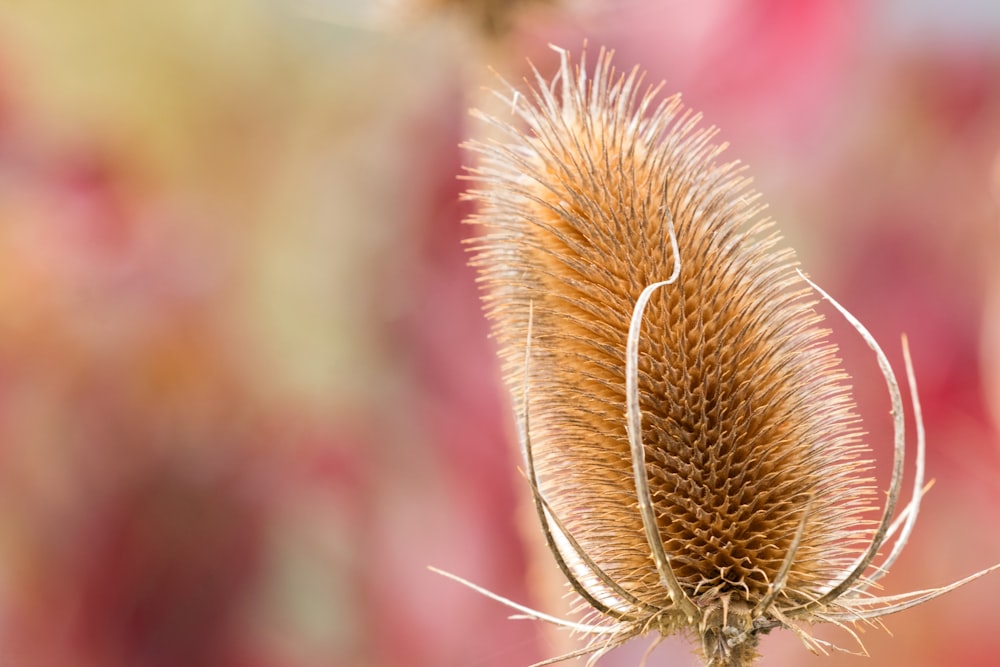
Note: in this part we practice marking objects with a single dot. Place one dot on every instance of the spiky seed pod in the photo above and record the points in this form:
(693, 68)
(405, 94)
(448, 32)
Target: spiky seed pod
(690, 440)
(746, 417)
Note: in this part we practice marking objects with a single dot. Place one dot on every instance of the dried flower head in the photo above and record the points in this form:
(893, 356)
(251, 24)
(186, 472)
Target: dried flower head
(692, 448)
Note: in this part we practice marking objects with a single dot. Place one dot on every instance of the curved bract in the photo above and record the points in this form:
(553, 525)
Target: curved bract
(690, 440)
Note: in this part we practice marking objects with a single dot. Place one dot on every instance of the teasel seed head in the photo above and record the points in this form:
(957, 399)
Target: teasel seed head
(690, 440)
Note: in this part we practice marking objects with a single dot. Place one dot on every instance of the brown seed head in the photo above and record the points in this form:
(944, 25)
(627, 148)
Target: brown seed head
(740, 503)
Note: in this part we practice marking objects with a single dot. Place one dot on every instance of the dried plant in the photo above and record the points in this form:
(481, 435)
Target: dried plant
(689, 438)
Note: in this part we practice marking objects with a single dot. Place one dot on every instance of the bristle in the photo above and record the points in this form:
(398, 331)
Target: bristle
(757, 476)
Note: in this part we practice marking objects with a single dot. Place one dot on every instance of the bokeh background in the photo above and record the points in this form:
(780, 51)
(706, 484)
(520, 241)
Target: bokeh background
(246, 391)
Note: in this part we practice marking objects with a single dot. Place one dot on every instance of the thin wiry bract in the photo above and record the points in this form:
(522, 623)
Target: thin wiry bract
(635, 289)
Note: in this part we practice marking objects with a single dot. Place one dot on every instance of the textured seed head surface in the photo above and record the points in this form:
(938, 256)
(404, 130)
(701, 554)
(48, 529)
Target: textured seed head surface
(748, 424)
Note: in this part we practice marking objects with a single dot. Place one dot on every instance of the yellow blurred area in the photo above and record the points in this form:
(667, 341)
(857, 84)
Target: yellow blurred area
(188, 223)
(232, 133)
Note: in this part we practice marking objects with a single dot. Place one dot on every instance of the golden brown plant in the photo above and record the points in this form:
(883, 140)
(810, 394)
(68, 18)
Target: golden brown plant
(691, 445)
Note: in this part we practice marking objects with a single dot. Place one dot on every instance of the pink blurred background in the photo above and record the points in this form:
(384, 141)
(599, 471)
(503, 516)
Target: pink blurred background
(246, 391)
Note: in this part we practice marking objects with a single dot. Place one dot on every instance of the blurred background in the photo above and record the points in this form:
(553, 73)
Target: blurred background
(246, 391)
